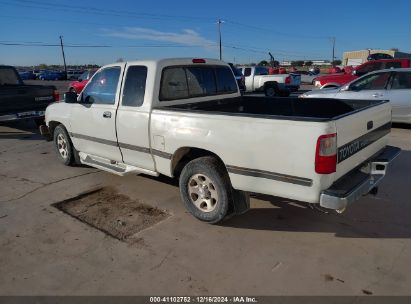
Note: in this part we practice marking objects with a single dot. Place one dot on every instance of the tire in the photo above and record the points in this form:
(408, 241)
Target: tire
(270, 91)
(206, 190)
(64, 147)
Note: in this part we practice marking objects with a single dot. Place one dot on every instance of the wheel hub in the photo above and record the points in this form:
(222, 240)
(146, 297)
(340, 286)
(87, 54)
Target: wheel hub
(202, 192)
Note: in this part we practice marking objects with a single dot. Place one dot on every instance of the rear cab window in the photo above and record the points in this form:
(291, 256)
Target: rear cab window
(181, 82)
(8, 76)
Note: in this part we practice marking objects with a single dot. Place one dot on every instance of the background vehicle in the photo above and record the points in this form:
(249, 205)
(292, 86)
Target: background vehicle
(315, 70)
(258, 79)
(336, 80)
(37, 73)
(52, 75)
(74, 74)
(239, 77)
(392, 84)
(307, 76)
(27, 75)
(185, 118)
(21, 101)
(78, 86)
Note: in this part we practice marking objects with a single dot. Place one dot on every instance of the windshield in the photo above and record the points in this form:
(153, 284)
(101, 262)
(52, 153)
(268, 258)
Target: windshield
(8, 76)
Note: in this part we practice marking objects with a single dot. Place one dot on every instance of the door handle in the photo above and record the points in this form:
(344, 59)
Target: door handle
(376, 95)
(107, 114)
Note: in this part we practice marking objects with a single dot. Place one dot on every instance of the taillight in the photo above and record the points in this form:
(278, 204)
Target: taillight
(326, 154)
(243, 79)
(288, 80)
(56, 95)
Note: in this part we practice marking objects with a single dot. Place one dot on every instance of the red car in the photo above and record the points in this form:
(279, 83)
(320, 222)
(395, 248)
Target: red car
(78, 85)
(336, 80)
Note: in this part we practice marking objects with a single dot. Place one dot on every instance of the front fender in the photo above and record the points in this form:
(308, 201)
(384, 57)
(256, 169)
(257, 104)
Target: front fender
(59, 112)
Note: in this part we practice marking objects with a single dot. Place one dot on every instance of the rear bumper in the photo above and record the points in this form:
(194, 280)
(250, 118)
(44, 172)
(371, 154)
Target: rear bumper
(359, 182)
(292, 88)
(22, 115)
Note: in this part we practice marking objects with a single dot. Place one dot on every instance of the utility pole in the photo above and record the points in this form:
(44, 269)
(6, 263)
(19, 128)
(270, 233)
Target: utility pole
(333, 41)
(219, 36)
(64, 57)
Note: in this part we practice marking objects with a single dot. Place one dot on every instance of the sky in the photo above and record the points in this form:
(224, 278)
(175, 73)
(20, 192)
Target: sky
(101, 32)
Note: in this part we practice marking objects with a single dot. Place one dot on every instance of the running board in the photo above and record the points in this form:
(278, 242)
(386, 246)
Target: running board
(111, 166)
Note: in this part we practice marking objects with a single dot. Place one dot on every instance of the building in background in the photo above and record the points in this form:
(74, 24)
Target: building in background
(358, 57)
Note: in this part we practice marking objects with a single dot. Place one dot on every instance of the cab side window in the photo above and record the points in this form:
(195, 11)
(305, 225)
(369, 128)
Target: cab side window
(370, 67)
(102, 88)
(134, 86)
(247, 72)
(401, 81)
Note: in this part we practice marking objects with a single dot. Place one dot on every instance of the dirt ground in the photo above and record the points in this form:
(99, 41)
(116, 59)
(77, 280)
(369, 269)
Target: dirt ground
(113, 213)
(278, 248)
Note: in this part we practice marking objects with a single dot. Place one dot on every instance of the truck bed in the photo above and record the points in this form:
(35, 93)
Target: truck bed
(315, 109)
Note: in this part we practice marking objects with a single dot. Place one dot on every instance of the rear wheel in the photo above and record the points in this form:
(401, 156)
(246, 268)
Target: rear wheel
(206, 190)
(270, 91)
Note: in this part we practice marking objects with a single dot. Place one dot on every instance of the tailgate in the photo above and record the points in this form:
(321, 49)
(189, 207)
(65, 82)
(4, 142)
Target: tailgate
(21, 98)
(360, 136)
(295, 79)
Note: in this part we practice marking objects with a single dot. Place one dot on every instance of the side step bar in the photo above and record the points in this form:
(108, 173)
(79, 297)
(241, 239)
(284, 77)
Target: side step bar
(113, 167)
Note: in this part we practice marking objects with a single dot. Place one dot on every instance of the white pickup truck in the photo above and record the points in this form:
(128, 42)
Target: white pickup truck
(257, 79)
(185, 118)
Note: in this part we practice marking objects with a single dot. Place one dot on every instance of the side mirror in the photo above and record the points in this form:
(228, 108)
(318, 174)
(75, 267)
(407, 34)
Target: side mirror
(79, 80)
(345, 88)
(358, 73)
(70, 97)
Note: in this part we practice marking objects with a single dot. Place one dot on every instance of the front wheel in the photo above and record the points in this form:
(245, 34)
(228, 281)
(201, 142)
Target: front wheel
(206, 190)
(63, 145)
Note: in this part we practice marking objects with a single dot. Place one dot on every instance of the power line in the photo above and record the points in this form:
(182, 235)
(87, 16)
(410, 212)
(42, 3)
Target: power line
(98, 11)
(259, 29)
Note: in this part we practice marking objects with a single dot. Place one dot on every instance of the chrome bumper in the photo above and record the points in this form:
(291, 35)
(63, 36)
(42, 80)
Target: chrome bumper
(359, 182)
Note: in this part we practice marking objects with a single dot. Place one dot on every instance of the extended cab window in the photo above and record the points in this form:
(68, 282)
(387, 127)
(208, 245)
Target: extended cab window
(247, 72)
(134, 86)
(371, 82)
(401, 81)
(392, 65)
(103, 87)
(195, 81)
